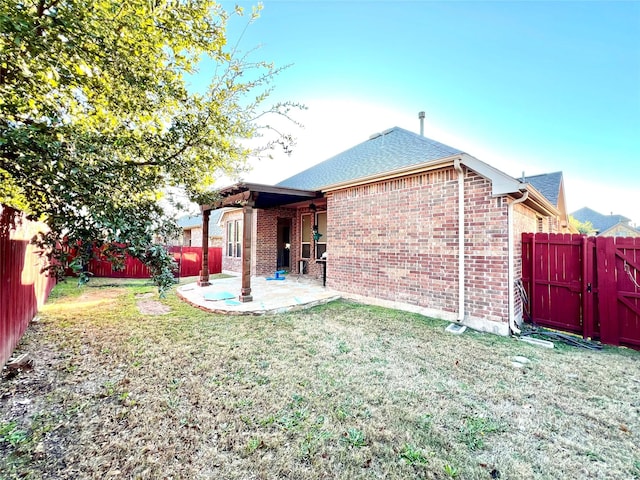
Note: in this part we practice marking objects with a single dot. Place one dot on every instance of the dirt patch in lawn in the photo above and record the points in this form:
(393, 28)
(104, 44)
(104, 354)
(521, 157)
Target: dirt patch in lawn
(146, 306)
(339, 391)
(152, 307)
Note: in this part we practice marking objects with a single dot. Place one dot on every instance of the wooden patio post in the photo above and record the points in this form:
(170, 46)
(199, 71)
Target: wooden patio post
(203, 281)
(247, 227)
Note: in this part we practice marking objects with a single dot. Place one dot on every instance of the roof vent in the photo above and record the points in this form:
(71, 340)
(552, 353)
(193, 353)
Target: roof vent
(375, 135)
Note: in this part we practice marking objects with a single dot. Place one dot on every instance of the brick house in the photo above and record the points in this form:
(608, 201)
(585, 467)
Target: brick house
(606, 225)
(191, 226)
(405, 222)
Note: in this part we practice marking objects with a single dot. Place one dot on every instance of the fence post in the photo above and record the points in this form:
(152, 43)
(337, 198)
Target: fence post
(588, 286)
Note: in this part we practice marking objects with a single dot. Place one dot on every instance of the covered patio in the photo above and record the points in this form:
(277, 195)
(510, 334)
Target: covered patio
(249, 197)
(269, 296)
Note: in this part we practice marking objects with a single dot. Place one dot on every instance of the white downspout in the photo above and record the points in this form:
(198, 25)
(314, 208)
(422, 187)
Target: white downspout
(510, 251)
(458, 168)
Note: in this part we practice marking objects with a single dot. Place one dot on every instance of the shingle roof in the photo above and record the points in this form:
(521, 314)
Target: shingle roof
(193, 221)
(190, 221)
(548, 184)
(599, 221)
(391, 150)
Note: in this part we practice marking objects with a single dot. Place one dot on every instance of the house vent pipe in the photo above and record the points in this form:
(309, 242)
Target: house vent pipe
(458, 168)
(421, 117)
(511, 272)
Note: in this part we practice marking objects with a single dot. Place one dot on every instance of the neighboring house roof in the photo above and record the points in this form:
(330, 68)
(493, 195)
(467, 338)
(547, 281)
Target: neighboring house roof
(548, 184)
(390, 150)
(195, 221)
(600, 222)
(190, 221)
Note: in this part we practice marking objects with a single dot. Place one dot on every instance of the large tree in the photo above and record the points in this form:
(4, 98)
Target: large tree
(97, 117)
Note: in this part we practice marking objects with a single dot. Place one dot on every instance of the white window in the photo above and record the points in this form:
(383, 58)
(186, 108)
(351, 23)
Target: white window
(238, 237)
(229, 239)
(305, 236)
(234, 238)
(320, 231)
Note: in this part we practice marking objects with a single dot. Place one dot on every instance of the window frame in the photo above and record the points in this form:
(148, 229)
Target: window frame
(237, 235)
(322, 241)
(305, 235)
(229, 250)
(234, 239)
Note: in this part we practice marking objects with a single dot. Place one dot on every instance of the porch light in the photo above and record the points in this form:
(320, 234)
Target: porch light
(316, 234)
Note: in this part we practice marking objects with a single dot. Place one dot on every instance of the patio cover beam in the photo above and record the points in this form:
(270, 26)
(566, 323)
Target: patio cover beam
(262, 196)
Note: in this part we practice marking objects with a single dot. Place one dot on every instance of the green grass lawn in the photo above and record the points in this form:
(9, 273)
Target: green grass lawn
(338, 391)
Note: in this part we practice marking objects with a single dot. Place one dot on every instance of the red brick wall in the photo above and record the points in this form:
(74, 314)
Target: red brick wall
(266, 240)
(266, 245)
(486, 251)
(398, 240)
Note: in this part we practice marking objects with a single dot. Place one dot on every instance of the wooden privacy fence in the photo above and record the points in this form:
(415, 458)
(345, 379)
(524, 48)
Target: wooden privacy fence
(585, 285)
(189, 260)
(23, 288)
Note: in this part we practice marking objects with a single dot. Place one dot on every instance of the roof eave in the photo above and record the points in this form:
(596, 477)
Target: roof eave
(539, 202)
(501, 183)
(262, 188)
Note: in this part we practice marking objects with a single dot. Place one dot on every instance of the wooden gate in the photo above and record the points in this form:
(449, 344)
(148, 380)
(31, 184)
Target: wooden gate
(584, 285)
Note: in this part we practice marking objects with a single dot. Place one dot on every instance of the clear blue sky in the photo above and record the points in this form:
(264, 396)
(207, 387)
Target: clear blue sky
(524, 86)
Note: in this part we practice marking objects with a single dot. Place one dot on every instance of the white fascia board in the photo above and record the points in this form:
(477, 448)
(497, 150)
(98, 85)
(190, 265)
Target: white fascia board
(501, 183)
(540, 202)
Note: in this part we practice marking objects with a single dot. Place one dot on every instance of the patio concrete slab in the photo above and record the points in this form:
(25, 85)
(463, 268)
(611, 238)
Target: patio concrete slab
(269, 296)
